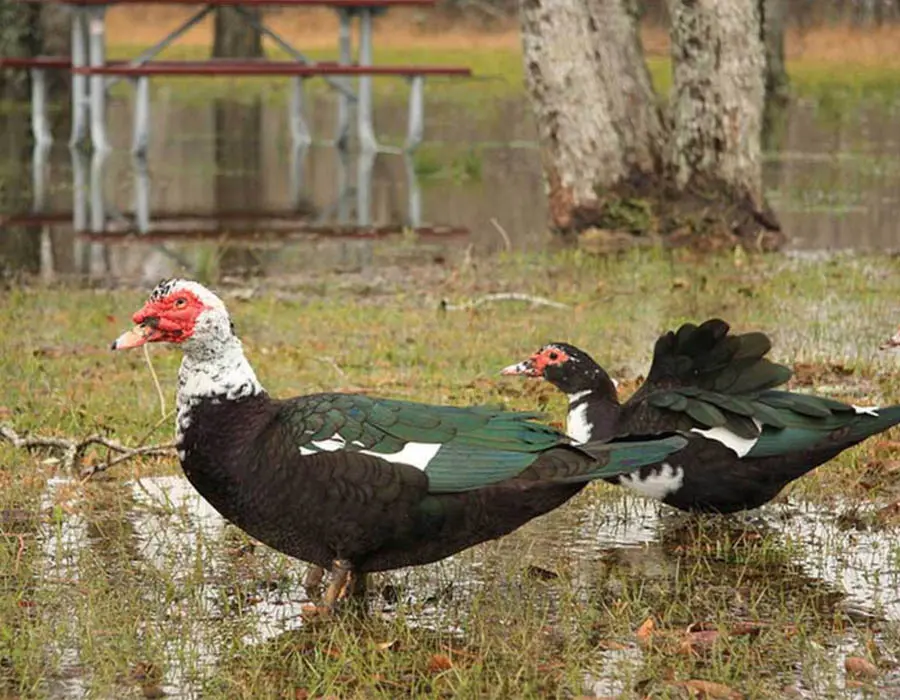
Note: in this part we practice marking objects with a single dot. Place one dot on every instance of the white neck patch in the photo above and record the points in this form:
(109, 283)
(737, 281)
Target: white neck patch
(214, 367)
(577, 425)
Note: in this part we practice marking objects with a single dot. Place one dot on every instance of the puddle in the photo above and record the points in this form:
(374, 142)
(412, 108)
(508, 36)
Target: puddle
(254, 205)
(205, 581)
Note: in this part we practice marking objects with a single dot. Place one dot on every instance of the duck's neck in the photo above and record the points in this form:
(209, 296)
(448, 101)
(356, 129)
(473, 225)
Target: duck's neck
(217, 373)
(594, 411)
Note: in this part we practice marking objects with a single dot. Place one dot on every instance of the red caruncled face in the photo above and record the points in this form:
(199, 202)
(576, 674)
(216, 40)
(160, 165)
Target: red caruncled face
(167, 319)
(535, 366)
(547, 356)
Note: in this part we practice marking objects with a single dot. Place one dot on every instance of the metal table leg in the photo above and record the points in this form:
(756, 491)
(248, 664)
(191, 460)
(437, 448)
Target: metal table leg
(141, 195)
(40, 125)
(298, 172)
(365, 166)
(140, 139)
(364, 126)
(97, 51)
(80, 102)
(414, 215)
(416, 126)
(300, 133)
(344, 104)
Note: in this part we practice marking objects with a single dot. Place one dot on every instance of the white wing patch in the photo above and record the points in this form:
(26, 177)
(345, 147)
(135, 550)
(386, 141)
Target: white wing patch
(866, 410)
(577, 425)
(657, 484)
(740, 446)
(415, 454)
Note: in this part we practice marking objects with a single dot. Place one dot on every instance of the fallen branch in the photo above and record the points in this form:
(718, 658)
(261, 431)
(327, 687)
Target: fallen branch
(503, 296)
(73, 450)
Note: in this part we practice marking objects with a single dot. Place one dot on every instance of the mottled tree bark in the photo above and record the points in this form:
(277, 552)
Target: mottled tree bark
(596, 111)
(234, 37)
(718, 66)
(19, 37)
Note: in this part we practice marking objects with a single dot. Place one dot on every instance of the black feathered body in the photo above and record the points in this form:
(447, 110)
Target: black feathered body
(709, 384)
(244, 456)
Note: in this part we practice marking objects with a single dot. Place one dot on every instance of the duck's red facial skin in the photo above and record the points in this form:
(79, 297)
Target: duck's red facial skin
(169, 319)
(546, 357)
(537, 364)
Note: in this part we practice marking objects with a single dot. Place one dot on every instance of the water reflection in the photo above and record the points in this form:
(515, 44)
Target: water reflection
(107, 231)
(213, 583)
(833, 180)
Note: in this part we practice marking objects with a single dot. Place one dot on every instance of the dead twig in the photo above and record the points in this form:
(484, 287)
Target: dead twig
(73, 450)
(503, 234)
(503, 296)
(159, 391)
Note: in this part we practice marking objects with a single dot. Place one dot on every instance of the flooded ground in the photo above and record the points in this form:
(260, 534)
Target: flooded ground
(206, 581)
(229, 171)
(129, 585)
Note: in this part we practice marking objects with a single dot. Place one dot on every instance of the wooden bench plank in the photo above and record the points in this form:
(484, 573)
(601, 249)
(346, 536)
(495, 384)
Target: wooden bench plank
(46, 62)
(264, 68)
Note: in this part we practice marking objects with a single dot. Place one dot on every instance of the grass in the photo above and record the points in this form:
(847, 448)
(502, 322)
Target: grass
(122, 586)
(825, 75)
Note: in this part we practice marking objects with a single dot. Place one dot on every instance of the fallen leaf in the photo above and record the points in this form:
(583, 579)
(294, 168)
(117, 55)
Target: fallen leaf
(860, 667)
(710, 690)
(646, 629)
(301, 694)
(438, 663)
(694, 642)
(386, 646)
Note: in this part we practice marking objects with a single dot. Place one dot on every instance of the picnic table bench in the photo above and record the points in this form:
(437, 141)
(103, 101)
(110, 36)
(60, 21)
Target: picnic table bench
(92, 74)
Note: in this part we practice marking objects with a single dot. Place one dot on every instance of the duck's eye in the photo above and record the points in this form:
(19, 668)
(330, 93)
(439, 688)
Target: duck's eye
(180, 303)
(554, 356)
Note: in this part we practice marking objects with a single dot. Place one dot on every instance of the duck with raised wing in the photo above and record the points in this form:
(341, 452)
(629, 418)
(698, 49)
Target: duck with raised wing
(356, 483)
(747, 439)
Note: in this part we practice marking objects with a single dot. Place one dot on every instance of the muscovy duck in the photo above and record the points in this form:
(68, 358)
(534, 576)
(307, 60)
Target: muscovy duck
(354, 483)
(747, 440)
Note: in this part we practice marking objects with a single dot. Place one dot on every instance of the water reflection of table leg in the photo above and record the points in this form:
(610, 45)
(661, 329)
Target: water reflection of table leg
(298, 174)
(414, 213)
(365, 166)
(98, 200)
(343, 187)
(39, 177)
(141, 194)
(80, 203)
(99, 258)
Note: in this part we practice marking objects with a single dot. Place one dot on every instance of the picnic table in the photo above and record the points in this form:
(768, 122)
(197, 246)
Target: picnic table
(92, 74)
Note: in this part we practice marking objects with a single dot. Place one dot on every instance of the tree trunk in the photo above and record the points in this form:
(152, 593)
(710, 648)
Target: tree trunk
(774, 15)
(718, 66)
(234, 37)
(596, 111)
(19, 37)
